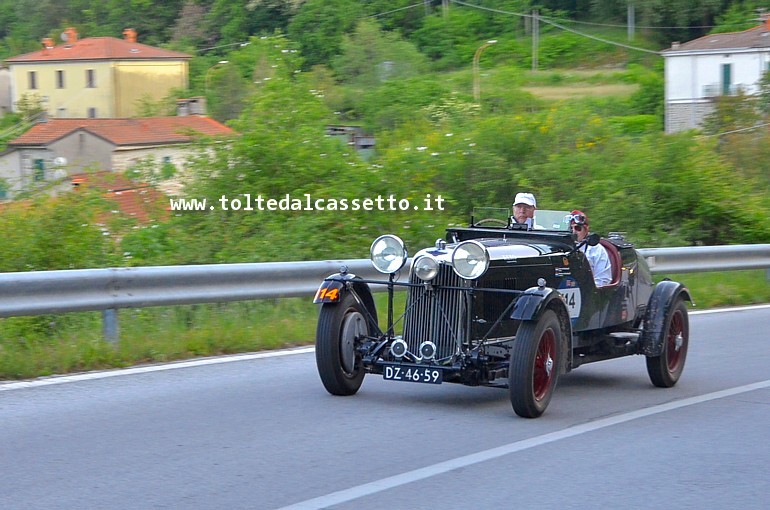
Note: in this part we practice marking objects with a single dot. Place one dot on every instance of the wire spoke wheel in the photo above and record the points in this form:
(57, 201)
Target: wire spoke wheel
(534, 366)
(666, 369)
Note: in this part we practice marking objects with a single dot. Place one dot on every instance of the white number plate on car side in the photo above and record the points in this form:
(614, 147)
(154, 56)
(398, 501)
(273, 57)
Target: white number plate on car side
(408, 373)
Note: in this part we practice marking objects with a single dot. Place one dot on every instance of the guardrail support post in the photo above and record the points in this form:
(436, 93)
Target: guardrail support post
(110, 327)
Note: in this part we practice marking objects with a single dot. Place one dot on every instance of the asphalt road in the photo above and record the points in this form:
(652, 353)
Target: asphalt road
(260, 432)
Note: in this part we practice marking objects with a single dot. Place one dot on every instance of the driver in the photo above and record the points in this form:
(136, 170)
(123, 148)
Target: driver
(524, 206)
(597, 255)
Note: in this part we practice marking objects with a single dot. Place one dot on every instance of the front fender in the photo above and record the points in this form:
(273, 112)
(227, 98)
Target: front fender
(533, 302)
(663, 297)
(331, 289)
(336, 285)
(531, 305)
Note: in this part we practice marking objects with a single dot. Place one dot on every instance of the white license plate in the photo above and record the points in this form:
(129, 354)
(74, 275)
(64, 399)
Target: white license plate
(429, 375)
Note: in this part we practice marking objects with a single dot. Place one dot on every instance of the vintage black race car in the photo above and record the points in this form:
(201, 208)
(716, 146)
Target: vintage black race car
(495, 304)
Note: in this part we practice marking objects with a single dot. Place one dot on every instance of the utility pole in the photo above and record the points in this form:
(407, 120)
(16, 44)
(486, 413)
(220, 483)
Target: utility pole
(445, 8)
(631, 21)
(535, 38)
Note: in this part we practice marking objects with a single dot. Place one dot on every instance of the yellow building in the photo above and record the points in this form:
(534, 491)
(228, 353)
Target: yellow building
(96, 77)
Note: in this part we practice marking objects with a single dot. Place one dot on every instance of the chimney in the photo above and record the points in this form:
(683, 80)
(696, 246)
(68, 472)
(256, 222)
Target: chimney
(675, 45)
(70, 35)
(47, 43)
(129, 35)
(191, 106)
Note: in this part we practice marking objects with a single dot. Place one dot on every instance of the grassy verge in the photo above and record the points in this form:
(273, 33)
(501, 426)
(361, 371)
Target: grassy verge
(711, 290)
(40, 346)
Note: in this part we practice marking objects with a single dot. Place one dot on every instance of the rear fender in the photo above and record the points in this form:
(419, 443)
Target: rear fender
(531, 305)
(663, 297)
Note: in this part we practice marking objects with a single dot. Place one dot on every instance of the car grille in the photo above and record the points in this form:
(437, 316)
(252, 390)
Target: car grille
(436, 314)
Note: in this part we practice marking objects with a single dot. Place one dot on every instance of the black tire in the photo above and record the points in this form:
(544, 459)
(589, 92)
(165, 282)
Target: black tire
(665, 370)
(340, 326)
(534, 366)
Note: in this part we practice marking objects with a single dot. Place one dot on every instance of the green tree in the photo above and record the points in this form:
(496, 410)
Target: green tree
(370, 56)
(29, 106)
(319, 27)
(450, 41)
(66, 232)
(732, 113)
(763, 97)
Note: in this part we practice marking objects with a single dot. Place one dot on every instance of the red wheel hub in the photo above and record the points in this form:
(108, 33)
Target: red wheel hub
(675, 342)
(545, 364)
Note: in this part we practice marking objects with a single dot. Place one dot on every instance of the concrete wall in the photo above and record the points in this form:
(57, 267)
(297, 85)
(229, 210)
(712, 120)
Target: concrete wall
(692, 81)
(700, 76)
(10, 169)
(118, 85)
(74, 99)
(135, 80)
(123, 158)
(684, 115)
(83, 151)
(5, 91)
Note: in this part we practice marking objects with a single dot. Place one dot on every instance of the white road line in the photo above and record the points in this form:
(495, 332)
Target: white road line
(34, 383)
(48, 381)
(733, 309)
(367, 489)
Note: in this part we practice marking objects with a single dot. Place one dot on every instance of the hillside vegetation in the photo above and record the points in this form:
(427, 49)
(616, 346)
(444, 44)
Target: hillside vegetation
(584, 130)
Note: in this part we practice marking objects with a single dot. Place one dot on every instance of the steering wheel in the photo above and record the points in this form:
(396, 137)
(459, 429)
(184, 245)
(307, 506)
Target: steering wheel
(491, 222)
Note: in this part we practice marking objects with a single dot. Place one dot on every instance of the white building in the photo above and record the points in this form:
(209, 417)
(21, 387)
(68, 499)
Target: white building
(698, 71)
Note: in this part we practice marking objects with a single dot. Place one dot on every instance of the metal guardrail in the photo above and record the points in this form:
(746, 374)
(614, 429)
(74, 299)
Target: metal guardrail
(698, 259)
(44, 292)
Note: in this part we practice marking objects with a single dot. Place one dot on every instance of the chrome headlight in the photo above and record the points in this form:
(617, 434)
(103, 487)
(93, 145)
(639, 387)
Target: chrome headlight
(470, 260)
(425, 267)
(388, 254)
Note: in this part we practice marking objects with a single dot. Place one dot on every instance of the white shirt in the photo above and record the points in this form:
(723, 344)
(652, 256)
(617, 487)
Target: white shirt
(599, 260)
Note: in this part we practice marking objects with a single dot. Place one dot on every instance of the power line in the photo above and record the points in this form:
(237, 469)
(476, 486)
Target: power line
(737, 130)
(649, 27)
(601, 39)
(396, 10)
(557, 25)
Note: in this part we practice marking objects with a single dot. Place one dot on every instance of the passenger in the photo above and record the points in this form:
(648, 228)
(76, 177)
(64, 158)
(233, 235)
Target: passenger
(524, 206)
(597, 255)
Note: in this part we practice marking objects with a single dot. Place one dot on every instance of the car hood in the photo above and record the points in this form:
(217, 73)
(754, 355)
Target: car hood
(499, 249)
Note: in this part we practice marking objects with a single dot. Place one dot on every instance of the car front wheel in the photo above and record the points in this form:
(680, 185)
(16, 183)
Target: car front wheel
(534, 366)
(340, 329)
(665, 370)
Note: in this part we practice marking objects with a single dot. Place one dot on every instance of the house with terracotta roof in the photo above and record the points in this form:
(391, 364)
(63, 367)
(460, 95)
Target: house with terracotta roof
(135, 200)
(699, 71)
(96, 77)
(57, 148)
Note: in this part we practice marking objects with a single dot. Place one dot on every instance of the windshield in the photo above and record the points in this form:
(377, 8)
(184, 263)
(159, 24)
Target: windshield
(544, 219)
(552, 220)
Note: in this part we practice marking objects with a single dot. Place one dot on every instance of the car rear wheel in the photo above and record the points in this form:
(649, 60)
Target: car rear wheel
(534, 366)
(340, 329)
(665, 370)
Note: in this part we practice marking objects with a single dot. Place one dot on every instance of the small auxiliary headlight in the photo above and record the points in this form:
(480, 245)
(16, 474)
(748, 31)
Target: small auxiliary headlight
(425, 267)
(388, 254)
(470, 260)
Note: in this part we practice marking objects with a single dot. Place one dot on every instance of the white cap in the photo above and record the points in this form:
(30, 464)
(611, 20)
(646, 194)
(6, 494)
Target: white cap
(525, 198)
